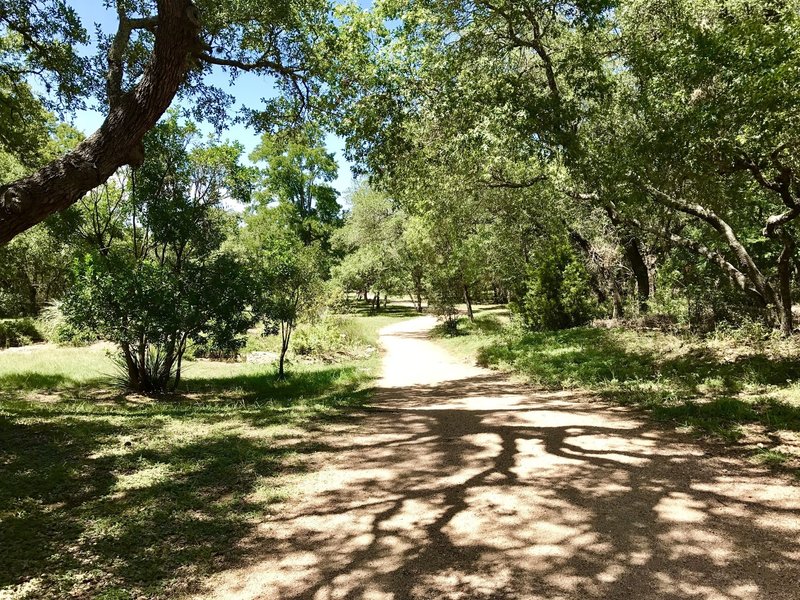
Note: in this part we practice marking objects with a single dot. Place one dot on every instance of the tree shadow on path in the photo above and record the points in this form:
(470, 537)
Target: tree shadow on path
(481, 488)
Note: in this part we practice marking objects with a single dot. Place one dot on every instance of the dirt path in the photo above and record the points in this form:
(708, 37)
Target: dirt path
(464, 485)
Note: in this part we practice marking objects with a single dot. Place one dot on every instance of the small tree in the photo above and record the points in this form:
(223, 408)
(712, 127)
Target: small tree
(379, 256)
(167, 282)
(288, 274)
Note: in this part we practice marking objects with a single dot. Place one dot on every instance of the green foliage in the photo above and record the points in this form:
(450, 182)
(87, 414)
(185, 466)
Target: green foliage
(18, 332)
(444, 296)
(166, 281)
(367, 238)
(558, 295)
(57, 329)
(330, 338)
(34, 269)
(297, 177)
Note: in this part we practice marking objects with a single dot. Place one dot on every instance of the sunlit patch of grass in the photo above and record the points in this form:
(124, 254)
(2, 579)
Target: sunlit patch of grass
(773, 458)
(47, 367)
(472, 336)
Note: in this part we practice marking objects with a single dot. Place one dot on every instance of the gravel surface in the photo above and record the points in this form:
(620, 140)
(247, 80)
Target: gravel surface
(463, 484)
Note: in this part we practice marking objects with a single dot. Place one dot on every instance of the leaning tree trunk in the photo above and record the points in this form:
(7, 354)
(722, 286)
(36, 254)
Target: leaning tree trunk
(468, 302)
(286, 334)
(785, 286)
(28, 201)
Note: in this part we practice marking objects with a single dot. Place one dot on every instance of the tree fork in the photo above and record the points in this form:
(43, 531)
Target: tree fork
(118, 141)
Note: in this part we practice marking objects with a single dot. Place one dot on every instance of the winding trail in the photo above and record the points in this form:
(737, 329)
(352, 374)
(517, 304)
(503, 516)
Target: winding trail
(461, 484)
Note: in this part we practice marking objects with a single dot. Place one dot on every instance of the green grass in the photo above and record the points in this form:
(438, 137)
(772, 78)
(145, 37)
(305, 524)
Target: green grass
(394, 309)
(47, 368)
(108, 496)
(473, 336)
(719, 388)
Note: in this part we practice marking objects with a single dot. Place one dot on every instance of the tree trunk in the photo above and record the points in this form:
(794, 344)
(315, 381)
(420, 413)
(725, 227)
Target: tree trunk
(281, 372)
(178, 368)
(785, 285)
(286, 335)
(417, 294)
(468, 302)
(131, 367)
(118, 142)
(633, 253)
(618, 305)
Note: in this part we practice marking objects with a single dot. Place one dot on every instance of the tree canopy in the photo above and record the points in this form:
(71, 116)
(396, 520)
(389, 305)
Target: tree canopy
(160, 50)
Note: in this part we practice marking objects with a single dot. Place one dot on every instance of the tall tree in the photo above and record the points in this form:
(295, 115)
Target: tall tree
(297, 179)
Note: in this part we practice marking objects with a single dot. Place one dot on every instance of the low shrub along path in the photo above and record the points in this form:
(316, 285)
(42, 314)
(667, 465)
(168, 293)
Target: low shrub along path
(463, 484)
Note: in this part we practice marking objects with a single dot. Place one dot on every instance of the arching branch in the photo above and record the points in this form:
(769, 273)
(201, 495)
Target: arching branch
(118, 142)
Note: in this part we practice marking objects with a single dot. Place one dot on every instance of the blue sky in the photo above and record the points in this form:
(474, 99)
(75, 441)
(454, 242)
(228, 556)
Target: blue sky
(248, 90)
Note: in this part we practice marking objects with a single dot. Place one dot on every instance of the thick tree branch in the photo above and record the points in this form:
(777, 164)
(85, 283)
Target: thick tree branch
(261, 63)
(118, 142)
(781, 185)
(708, 216)
(500, 182)
(535, 42)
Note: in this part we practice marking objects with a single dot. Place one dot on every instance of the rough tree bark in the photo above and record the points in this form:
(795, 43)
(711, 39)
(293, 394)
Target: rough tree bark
(118, 142)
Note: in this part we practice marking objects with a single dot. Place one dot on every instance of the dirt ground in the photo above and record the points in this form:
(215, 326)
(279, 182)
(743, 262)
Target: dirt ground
(462, 484)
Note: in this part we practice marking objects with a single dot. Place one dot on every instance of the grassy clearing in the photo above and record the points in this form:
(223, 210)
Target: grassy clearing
(108, 496)
(731, 390)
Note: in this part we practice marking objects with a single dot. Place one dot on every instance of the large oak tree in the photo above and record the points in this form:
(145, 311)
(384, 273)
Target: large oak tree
(161, 49)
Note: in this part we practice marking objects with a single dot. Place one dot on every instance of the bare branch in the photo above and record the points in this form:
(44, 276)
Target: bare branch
(261, 63)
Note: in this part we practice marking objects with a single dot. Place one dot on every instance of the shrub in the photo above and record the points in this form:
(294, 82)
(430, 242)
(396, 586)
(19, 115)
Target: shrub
(325, 339)
(55, 328)
(445, 293)
(18, 332)
(558, 294)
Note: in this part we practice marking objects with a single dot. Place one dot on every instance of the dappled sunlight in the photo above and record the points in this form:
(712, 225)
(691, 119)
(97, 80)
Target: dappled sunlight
(135, 493)
(444, 494)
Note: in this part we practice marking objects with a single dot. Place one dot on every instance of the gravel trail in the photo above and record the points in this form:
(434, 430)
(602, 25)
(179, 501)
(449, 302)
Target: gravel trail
(462, 484)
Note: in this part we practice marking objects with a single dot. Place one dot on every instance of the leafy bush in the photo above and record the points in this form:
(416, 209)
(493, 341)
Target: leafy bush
(445, 293)
(18, 332)
(170, 282)
(55, 327)
(325, 339)
(558, 294)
